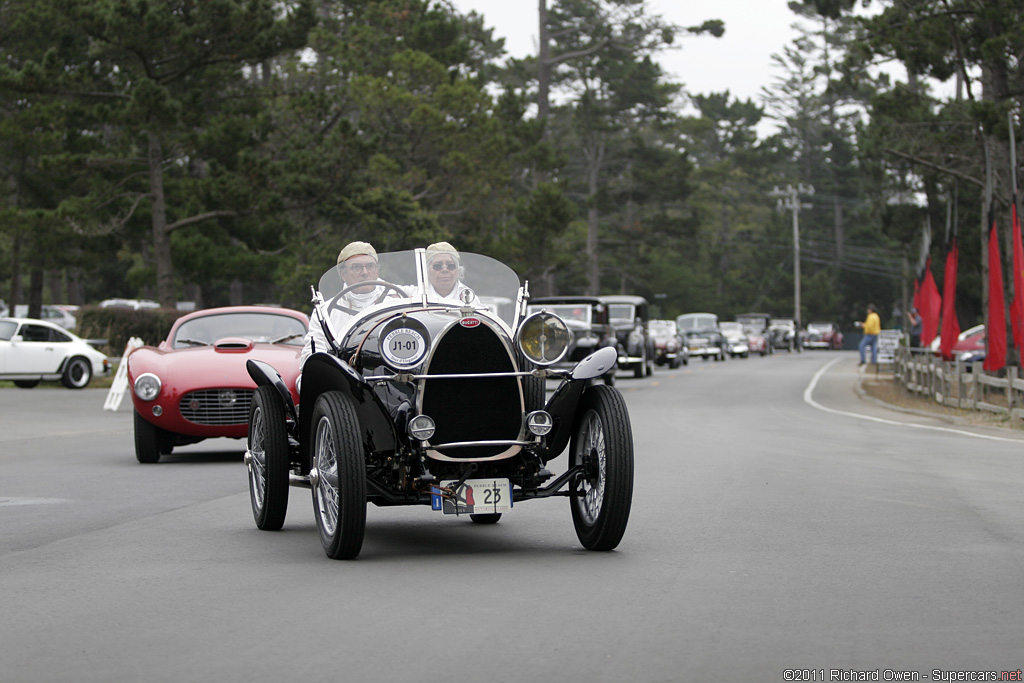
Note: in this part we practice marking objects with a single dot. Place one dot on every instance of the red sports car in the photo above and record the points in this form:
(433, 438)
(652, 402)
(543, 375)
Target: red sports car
(195, 386)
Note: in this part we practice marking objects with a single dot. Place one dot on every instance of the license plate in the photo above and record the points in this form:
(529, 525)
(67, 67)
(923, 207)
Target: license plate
(475, 496)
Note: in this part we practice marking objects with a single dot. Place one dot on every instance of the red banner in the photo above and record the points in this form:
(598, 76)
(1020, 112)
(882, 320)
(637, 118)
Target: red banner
(950, 323)
(995, 355)
(930, 305)
(1017, 306)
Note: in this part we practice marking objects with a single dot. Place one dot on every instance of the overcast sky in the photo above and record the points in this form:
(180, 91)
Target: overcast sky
(739, 61)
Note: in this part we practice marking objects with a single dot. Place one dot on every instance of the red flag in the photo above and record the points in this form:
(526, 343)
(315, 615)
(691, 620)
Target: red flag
(950, 323)
(1017, 305)
(931, 304)
(995, 356)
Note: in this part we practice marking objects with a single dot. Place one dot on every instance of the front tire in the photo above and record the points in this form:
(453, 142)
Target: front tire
(26, 383)
(339, 473)
(77, 373)
(602, 493)
(150, 441)
(267, 459)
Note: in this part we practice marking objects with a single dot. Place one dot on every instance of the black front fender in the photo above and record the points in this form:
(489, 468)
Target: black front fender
(324, 372)
(264, 375)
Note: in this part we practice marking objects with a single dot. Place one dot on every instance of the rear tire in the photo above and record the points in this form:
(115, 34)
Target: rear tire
(339, 492)
(603, 445)
(77, 373)
(267, 461)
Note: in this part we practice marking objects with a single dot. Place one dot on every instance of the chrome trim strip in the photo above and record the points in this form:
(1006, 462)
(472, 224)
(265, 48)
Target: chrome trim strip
(469, 444)
(404, 377)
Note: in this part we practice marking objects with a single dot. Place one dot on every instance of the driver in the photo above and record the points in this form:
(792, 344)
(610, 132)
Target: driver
(444, 270)
(357, 263)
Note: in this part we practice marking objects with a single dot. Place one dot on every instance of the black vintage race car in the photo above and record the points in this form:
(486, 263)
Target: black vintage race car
(423, 400)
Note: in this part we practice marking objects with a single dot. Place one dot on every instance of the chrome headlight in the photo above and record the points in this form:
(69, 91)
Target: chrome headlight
(544, 338)
(147, 386)
(539, 422)
(421, 427)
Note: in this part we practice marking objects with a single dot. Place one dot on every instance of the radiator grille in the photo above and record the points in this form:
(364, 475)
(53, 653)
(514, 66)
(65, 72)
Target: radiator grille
(472, 409)
(216, 406)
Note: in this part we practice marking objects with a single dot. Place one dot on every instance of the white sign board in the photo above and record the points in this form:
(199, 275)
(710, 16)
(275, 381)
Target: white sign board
(888, 342)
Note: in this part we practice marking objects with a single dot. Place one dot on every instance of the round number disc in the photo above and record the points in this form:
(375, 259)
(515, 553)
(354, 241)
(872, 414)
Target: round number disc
(403, 347)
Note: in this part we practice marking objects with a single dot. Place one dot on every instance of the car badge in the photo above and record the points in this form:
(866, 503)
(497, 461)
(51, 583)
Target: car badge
(469, 322)
(194, 404)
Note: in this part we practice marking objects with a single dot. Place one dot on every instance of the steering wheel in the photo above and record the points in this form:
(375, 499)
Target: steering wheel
(388, 286)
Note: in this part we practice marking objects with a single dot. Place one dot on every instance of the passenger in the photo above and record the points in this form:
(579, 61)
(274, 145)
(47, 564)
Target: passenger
(444, 273)
(357, 263)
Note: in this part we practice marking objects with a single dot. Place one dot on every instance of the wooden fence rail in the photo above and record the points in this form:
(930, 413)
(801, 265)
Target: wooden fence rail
(959, 385)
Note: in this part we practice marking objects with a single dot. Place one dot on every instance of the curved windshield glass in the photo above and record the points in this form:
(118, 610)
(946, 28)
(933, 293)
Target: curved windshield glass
(407, 277)
(259, 327)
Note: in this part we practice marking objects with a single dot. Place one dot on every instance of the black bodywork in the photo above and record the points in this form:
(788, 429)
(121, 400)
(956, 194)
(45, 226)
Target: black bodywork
(468, 371)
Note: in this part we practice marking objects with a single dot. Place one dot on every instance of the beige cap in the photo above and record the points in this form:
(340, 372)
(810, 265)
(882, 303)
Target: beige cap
(357, 249)
(438, 248)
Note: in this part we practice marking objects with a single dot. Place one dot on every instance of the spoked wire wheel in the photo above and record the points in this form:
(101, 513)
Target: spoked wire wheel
(338, 476)
(267, 459)
(603, 491)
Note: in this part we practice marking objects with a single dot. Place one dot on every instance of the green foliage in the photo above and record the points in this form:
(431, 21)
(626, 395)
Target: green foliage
(119, 325)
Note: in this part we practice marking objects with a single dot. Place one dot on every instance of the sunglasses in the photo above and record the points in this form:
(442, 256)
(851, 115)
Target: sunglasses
(359, 267)
(439, 266)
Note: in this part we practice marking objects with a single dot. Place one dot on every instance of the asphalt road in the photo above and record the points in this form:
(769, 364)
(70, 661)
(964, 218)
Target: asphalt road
(779, 523)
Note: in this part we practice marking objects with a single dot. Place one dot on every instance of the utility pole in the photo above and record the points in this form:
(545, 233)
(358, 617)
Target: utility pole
(790, 199)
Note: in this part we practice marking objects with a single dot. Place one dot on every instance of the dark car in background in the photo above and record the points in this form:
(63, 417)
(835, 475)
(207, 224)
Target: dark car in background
(629, 316)
(783, 334)
(702, 335)
(737, 341)
(669, 347)
(756, 326)
(587, 320)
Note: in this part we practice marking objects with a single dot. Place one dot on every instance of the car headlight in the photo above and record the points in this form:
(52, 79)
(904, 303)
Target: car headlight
(147, 386)
(544, 338)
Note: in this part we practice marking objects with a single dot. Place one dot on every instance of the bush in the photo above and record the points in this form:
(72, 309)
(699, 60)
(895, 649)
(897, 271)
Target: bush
(118, 325)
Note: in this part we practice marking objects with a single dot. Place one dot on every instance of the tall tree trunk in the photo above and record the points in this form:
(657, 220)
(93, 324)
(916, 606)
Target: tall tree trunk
(544, 68)
(723, 242)
(596, 158)
(161, 238)
(17, 294)
(840, 231)
(35, 291)
(55, 283)
(544, 64)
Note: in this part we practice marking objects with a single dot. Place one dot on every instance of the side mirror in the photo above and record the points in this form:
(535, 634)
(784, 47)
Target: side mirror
(17, 338)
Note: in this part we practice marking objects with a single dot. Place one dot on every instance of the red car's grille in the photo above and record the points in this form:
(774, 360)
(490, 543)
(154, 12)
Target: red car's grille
(216, 406)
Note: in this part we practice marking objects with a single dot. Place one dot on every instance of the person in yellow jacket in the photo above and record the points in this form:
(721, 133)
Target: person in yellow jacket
(871, 326)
